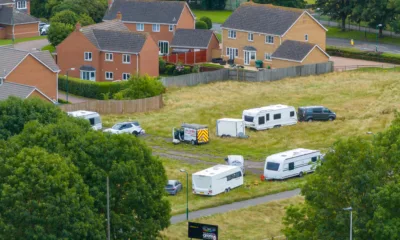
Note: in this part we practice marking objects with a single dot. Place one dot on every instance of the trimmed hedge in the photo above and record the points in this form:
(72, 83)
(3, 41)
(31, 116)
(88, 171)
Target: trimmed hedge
(89, 89)
(358, 54)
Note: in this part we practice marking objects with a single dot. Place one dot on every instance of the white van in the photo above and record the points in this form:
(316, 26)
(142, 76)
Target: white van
(291, 163)
(230, 127)
(270, 117)
(217, 179)
(93, 117)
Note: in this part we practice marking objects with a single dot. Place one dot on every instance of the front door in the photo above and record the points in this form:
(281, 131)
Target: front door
(249, 55)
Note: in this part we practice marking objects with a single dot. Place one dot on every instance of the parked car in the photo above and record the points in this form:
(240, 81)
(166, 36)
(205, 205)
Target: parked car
(41, 25)
(173, 187)
(315, 113)
(126, 127)
(45, 29)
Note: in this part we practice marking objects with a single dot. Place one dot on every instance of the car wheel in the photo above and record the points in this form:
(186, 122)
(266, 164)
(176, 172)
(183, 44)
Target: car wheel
(331, 119)
(310, 120)
(301, 174)
(135, 133)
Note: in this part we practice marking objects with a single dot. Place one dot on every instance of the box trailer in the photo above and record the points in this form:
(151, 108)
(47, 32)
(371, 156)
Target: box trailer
(230, 127)
(93, 118)
(217, 179)
(191, 133)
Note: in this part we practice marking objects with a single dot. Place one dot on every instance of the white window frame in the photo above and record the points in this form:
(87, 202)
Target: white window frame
(140, 27)
(109, 73)
(171, 28)
(232, 34)
(236, 52)
(250, 37)
(159, 47)
(21, 6)
(268, 37)
(155, 27)
(126, 76)
(306, 37)
(90, 75)
(125, 57)
(109, 57)
(87, 59)
(268, 57)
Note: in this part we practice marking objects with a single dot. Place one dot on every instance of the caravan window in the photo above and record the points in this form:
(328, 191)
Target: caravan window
(272, 166)
(314, 159)
(291, 166)
(292, 113)
(267, 117)
(238, 174)
(92, 121)
(261, 120)
(248, 118)
(277, 116)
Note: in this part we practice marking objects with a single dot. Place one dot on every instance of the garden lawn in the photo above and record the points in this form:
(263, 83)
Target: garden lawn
(334, 32)
(258, 222)
(252, 188)
(215, 16)
(363, 101)
(9, 41)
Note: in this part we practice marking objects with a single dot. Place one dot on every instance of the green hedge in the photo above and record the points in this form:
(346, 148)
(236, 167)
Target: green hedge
(89, 89)
(358, 54)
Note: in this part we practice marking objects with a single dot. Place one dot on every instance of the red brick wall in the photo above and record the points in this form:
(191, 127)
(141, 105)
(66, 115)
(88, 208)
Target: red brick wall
(214, 44)
(149, 58)
(186, 20)
(38, 95)
(2, 32)
(163, 35)
(116, 66)
(26, 30)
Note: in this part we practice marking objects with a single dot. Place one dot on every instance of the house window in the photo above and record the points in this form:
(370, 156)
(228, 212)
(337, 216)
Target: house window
(109, 57)
(250, 37)
(268, 56)
(126, 58)
(163, 47)
(139, 27)
(232, 34)
(126, 76)
(269, 39)
(171, 28)
(109, 75)
(88, 75)
(252, 55)
(88, 56)
(306, 37)
(156, 27)
(21, 5)
(277, 116)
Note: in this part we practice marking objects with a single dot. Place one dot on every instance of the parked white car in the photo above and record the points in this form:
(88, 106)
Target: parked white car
(126, 127)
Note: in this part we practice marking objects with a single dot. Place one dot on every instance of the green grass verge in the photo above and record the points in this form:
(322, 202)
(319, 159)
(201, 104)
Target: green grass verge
(358, 54)
(212, 65)
(9, 41)
(49, 48)
(360, 36)
(215, 16)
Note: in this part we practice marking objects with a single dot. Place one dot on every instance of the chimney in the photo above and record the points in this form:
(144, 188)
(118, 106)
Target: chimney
(119, 16)
(110, 2)
(77, 27)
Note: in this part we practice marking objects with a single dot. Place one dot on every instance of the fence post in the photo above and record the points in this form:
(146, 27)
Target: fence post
(185, 58)
(176, 58)
(194, 61)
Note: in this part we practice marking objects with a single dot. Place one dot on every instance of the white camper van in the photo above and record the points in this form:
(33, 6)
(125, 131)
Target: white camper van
(270, 117)
(217, 179)
(290, 163)
(93, 117)
(230, 127)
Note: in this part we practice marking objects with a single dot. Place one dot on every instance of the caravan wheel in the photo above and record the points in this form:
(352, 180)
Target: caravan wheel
(301, 174)
(227, 190)
(193, 142)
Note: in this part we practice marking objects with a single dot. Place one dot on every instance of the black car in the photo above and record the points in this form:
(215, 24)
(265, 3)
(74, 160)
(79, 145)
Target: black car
(315, 113)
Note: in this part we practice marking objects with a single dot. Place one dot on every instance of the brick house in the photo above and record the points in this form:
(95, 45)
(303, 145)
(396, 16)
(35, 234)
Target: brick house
(279, 36)
(161, 19)
(107, 51)
(36, 71)
(16, 21)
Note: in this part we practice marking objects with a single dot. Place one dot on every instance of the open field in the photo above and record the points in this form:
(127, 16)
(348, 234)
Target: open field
(9, 41)
(216, 16)
(363, 101)
(252, 188)
(259, 222)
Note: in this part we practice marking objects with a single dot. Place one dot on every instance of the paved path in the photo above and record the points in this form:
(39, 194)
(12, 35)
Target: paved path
(30, 45)
(72, 98)
(365, 46)
(235, 206)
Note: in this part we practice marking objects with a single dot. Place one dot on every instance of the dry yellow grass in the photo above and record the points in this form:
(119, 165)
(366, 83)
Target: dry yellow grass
(254, 223)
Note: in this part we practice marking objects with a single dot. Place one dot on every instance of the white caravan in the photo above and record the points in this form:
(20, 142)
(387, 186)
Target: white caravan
(217, 179)
(270, 117)
(230, 127)
(235, 160)
(291, 163)
(93, 118)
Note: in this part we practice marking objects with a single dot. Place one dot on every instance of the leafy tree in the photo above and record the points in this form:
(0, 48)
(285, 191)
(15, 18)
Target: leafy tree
(141, 87)
(66, 17)
(85, 20)
(284, 3)
(207, 20)
(38, 8)
(58, 32)
(379, 12)
(336, 9)
(201, 25)
(43, 197)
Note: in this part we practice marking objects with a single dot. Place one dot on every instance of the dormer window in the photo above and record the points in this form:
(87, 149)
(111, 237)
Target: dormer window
(21, 5)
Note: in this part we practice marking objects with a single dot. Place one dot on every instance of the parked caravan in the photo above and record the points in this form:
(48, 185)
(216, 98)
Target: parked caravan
(291, 163)
(235, 160)
(230, 127)
(217, 179)
(93, 118)
(269, 117)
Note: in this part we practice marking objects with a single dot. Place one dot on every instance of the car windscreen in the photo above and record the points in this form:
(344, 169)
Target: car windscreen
(248, 118)
(117, 126)
(272, 166)
(169, 186)
(136, 124)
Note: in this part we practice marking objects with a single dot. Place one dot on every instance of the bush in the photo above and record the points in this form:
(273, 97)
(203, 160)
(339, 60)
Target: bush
(201, 25)
(66, 17)
(88, 89)
(358, 54)
(169, 69)
(85, 20)
(58, 32)
(141, 87)
(196, 69)
(49, 48)
(207, 20)
(161, 65)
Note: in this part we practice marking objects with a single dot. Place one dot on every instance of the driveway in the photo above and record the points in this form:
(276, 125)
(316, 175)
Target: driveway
(365, 46)
(30, 45)
(72, 98)
(235, 206)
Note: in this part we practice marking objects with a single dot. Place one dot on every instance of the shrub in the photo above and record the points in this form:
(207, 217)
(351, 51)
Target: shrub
(201, 25)
(358, 54)
(58, 32)
(207, 20)
(196, 69)
(161, 65)
(141, 87)
(169, 69)
(66, 17)
(85, 20)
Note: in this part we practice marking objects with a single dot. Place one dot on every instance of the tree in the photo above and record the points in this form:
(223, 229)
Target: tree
(85, 20)
(336, 9)
(207, 20)
(38, 8)
(43, 197)
(284, 3)
(201, 25)
(66, 17)
(58, 32)
(141, 87)
(379, 12)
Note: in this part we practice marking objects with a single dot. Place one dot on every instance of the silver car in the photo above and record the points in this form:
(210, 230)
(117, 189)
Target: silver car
(126, 127)
(173, 187)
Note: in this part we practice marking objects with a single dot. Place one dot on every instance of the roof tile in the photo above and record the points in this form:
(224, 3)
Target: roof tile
(293, 50)
(193, 38)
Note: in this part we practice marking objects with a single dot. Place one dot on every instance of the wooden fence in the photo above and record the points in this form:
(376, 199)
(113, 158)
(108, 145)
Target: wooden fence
(117, 106)
(187, 57)
(246, 75)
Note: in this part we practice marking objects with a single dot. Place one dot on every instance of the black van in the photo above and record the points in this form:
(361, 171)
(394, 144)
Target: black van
(315, 113)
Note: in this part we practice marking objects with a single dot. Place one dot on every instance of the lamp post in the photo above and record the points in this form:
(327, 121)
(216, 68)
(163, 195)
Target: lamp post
(351, 220)
(71, 69)
(318, 14)
(187, 194)
(377, 35)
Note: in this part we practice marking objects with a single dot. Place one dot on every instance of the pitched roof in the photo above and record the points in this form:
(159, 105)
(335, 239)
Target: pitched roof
(11, 58)
(192, 38)
(263, 18)
(114, 36)
(293, 50)
(6, 2)
(8, 15)
(8, 89)
(167, 12)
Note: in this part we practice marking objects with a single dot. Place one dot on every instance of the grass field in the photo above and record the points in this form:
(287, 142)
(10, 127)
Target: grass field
(252, 188)
(363, 101)
(216, 16)
(360, 36)
(9, 41)
(259, 222)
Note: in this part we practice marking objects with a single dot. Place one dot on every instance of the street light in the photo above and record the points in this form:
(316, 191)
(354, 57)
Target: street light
(377, 33)
(351, 220)
(187, 193)
(71, 69)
